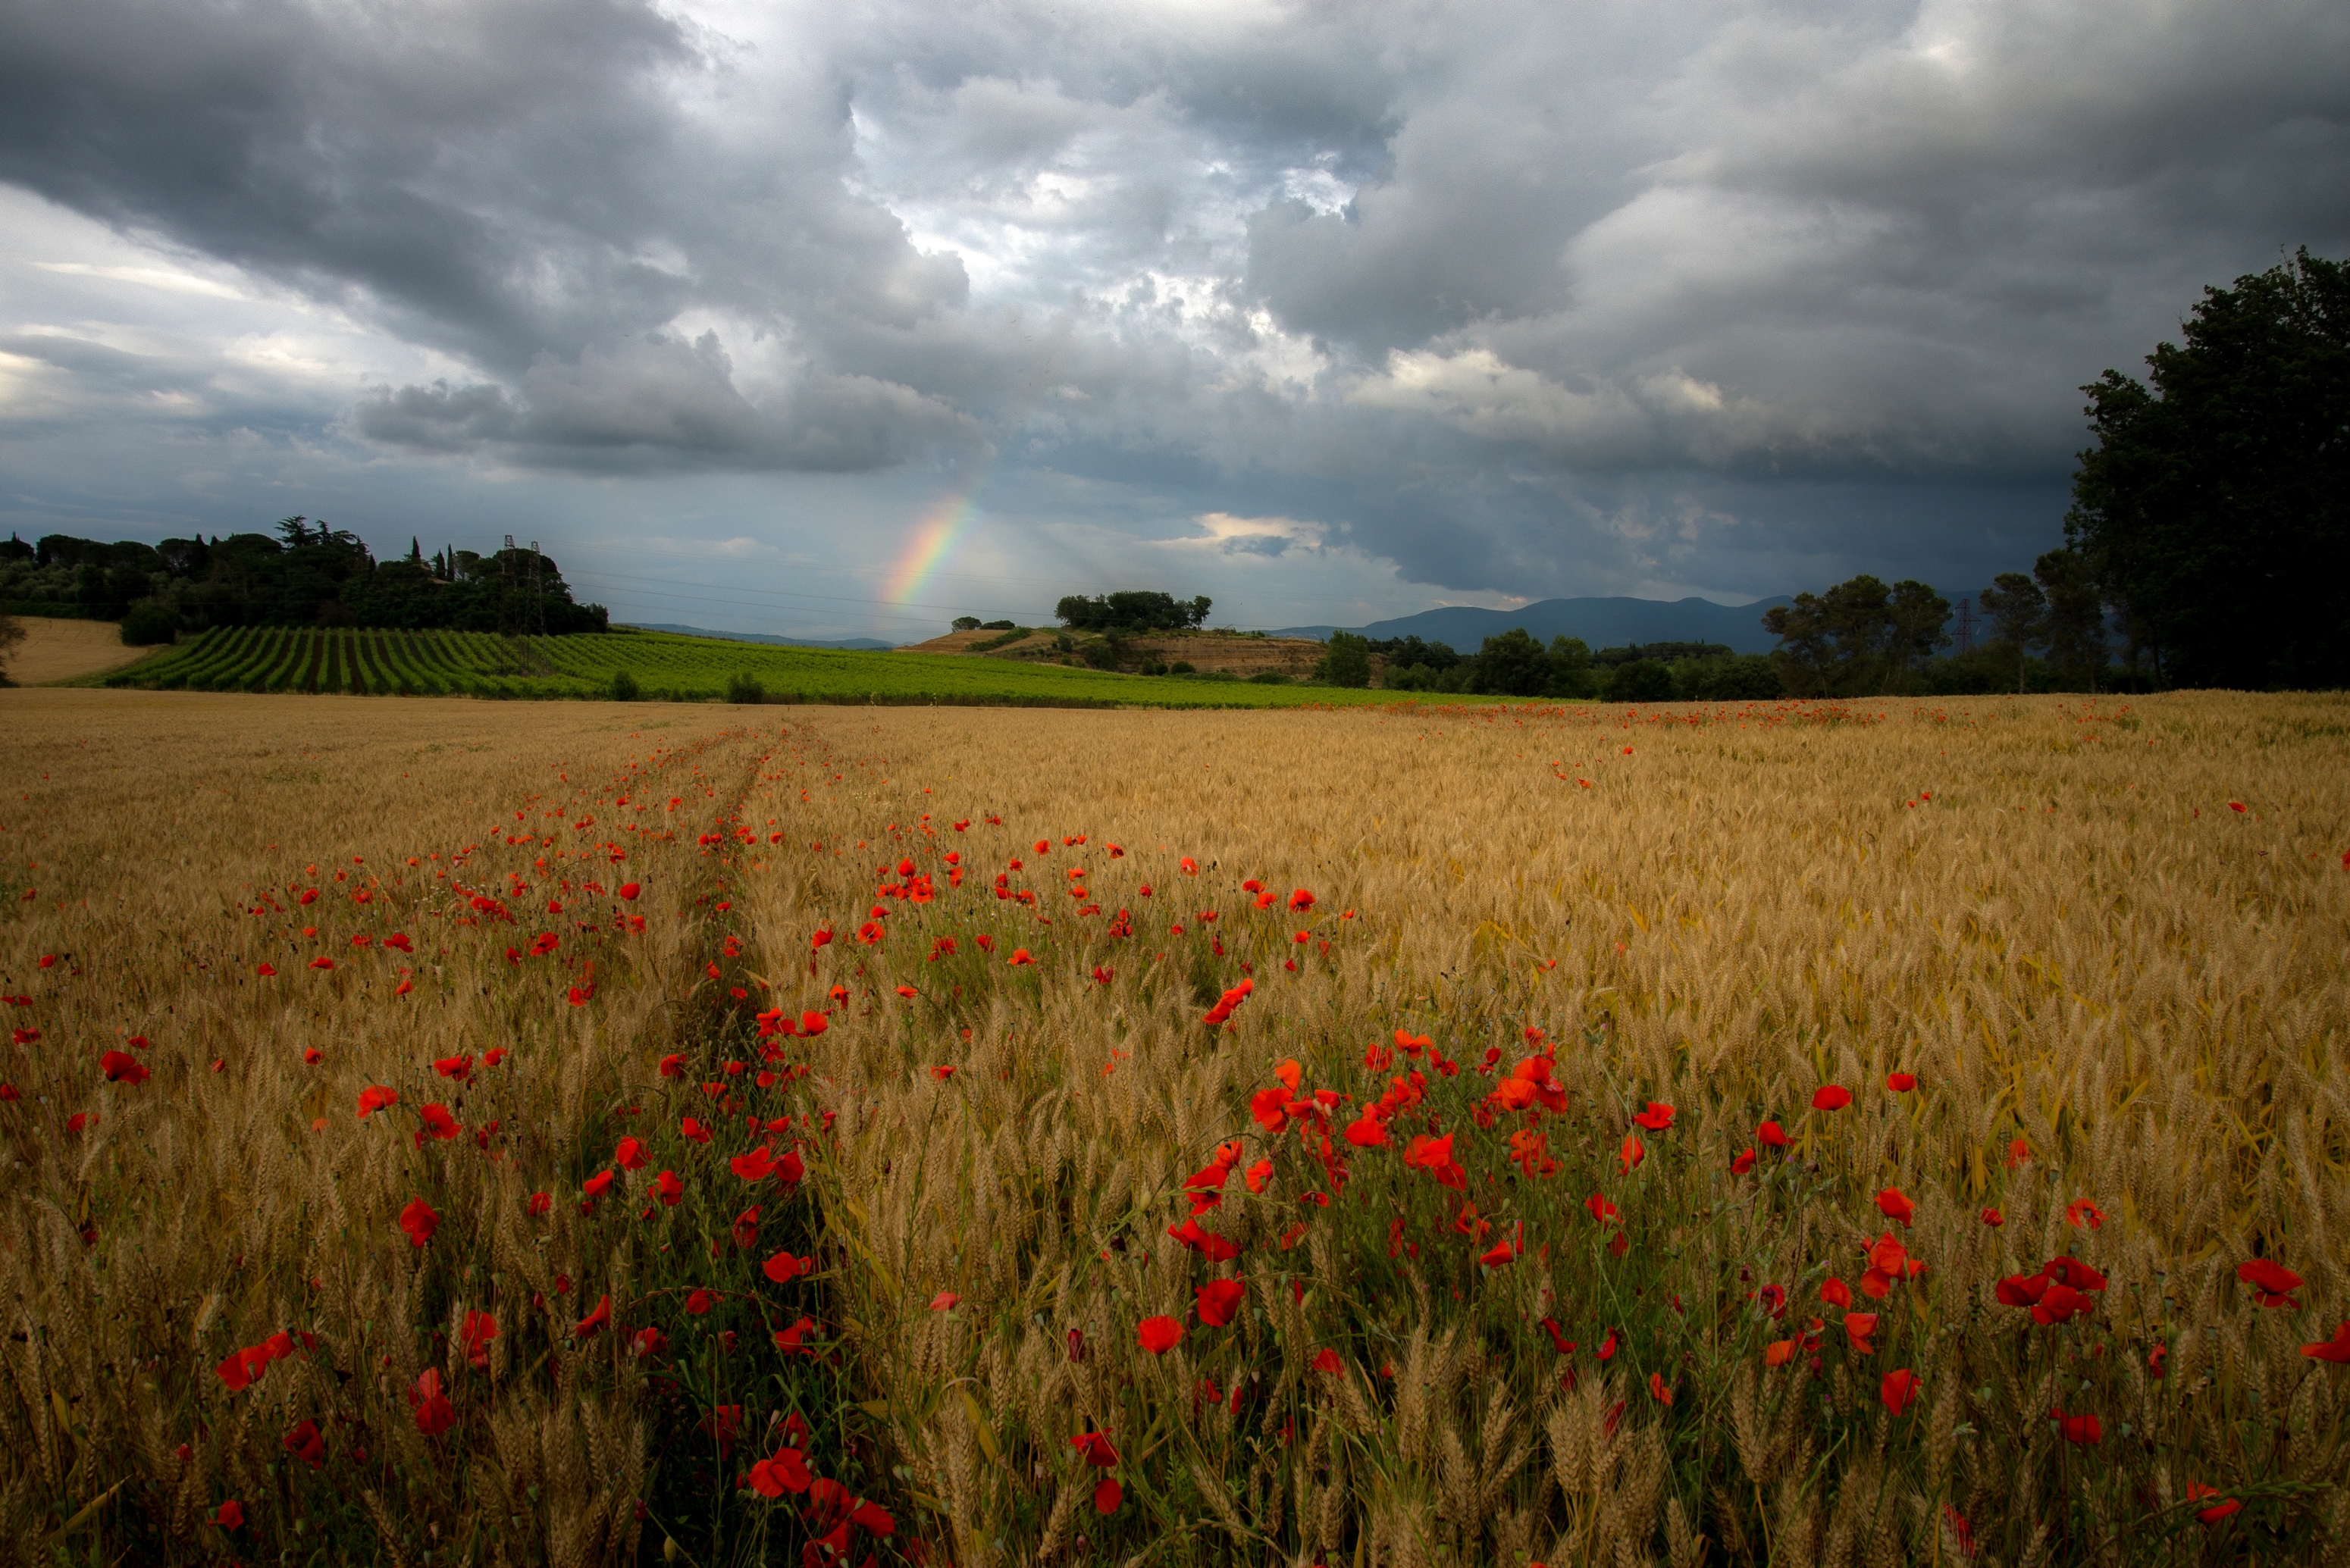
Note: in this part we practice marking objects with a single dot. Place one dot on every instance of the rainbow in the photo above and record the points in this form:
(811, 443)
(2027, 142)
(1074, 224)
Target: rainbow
(932, 539)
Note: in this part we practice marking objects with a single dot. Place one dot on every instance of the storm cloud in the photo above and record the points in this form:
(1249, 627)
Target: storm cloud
(1346, 308)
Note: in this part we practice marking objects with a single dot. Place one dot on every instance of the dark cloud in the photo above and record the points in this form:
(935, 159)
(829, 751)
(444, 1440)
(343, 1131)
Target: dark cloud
(1515, 297)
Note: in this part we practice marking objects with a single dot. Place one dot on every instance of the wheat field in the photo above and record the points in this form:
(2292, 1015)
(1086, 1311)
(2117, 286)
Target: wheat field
(1858, 1133)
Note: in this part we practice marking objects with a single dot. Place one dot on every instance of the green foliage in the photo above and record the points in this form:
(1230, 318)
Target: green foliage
(309, 574)
(998, 626)
(1641, 680)
(679, 668)
(1857, 639)
(1515, 665)
(2215, 508)
(1347, 662)
(966, 623)
(744, 688)
(147, 623)
(1269, 678)
(1737, 678)
(1132, 610)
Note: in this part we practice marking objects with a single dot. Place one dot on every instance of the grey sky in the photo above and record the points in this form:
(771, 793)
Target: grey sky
(1329, 311)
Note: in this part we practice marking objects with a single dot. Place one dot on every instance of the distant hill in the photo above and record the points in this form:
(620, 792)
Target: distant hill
(1602, 623)
(866, 644)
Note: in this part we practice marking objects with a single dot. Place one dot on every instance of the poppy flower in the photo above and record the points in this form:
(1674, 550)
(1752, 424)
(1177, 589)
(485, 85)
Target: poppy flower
(1021, 956)
(1097, 1449)
(540, 1202)
(1858, 1328)
(783, 1268)
(1256, 1175)
(628, 890)
(1220, 1302)
(595, 1185)
(2335, 1350)
(1835, 1292)
(1327, 1361)
(1601, 1209)
(630, 1154)
(1772, 1135)
(755, 1165)
(2235, 805)
(2272, 1283)
(1894, 1206)
(647, 1343)
(229, 1515)
(1899, 1389)
(943, 1302)
(783, 1470)
(1660, 1390)
(1301, 900)
(438, 1123)
(458, 1067)
(1434, 1155)
(304, 1443)
(1501, 1255)
(1658, 1118)
(1108, 1495)
(1206, 1243)
(1158, 1334)
(1993, 1218)
(1741, 1162)
(434, 1414)
(1778, 1352)
(473, 1336)
(419, 1221)
(123, 1067)
(2081, 1211)
(590, 1326)
(2197, 1492)
(1900, 1084)
(1831, 1097)
(1367, 1131)
(2082, 1429)
(264, 970)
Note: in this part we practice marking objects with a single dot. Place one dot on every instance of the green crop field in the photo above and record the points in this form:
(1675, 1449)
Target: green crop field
(665, 667)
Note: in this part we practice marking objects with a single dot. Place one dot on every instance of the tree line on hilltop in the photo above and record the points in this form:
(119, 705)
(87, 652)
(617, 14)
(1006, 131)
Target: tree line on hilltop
(310, 574)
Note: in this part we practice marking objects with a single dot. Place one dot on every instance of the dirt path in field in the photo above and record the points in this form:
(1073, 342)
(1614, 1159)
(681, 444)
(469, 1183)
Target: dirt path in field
(62, 649)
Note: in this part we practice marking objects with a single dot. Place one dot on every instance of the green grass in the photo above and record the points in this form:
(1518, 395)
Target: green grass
(668, 667)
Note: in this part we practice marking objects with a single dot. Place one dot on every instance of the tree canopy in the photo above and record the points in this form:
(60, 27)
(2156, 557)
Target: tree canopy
(1858, 638)
(2214, 511)
(1132, 610)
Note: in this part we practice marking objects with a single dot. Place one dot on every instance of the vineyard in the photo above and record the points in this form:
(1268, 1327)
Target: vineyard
(662, 666)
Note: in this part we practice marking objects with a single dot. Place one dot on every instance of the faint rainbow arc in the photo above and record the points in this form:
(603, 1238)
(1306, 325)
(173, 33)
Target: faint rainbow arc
(932, 540)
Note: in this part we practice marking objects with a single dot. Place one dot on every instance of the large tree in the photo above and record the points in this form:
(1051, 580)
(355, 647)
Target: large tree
(2215, 508)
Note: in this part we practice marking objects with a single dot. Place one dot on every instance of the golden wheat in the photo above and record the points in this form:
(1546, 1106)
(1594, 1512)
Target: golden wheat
(2049, 913)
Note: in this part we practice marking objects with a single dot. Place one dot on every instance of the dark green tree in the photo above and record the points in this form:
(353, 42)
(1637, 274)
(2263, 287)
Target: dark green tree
(1511, 664)
(1346, 661)
(2215, 507)
(2076, 616)
(2015, 611)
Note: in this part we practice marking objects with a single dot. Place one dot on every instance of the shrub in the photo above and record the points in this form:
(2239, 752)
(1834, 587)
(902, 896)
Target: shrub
(1268, 678)
(624, 687)
(743, 687)
(149, 622)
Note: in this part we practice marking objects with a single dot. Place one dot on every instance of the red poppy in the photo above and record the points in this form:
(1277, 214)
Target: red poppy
(473, 1337)
(304, 1443)
(419, 1221)
(1327, 1361)
(2083, 1429)
(1658, 1118)
(1741, 1162)
(1301, 900)
(2335, 1350)
(1367, 1131)
(459, 1067)
(2272, 1283)
(1894, 1206)
(1831, 1097)
(434, 1414)
(2235, 805)
(438, 1123)
(540, 1202)
(229, 1515)
(1778, 1352)
(1899, 1389)
(264, 970)
(783, 1268)
(2081, 1211)
(629, 889)
(595, 1185)
(755, 1165)
(1097, 1449)
(123, 1067)
(590, 1326)
(1206, 1243)
(1660, 1390)
(1434, 1155)
(783, 1470)
(1501, 1255)
(2197, 1492)
(1900, 1084)
(1158, 1334)
(668, 1189)
(1772, 1135)
(1220, 1302)
(944, 1301)
(1108, 1495)
(1858, 1328)
(1019, 956)
(1601, 1209)
(1835, 1292)
(1993, 1218)
(630, 1154)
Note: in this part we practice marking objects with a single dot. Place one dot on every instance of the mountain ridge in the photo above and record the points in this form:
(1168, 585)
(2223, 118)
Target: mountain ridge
(1612, 622)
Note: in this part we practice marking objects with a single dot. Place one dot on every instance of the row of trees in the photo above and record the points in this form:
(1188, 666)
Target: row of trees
(1135, 611)
(1514, 664)
(310, 574)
